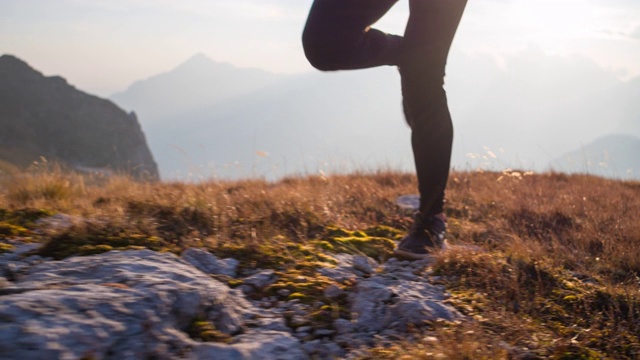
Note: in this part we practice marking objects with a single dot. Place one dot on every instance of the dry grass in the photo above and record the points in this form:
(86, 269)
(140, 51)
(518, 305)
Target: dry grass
(556, 275)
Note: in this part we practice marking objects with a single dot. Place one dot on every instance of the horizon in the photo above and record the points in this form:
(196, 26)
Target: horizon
(84, 42)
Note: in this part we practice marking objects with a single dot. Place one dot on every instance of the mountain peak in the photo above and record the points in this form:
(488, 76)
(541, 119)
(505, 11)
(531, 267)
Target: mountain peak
(200, 62)
(11, 64)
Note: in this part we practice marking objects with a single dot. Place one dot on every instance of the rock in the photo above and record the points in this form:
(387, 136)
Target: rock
(57, 222)
(297, 321)
(323, 332)
(381, 303)
(339, 274)
(304, 329)
(319, 349)
(364, 264)
(268, 345)
(283, 292)
(263, 345)
(332, 291)
(343, 272)
(129, 305)
(262, 279)
(209, 263)
(343, 326)
(83, 131)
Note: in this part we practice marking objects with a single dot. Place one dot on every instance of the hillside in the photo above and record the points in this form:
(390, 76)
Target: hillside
(538, 266)
(46, 117)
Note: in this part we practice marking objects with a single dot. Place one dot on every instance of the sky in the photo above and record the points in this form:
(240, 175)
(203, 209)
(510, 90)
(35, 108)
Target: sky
(103, 46)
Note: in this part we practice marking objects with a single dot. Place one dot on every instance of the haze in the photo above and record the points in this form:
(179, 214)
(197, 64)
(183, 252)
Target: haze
(102, 46)
(531, 79)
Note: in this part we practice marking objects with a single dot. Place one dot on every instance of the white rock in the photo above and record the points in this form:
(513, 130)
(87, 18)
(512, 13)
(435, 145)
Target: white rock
(209, 263)
(127, 305)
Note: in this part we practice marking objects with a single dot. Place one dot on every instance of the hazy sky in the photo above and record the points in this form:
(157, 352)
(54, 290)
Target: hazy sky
(102, 46)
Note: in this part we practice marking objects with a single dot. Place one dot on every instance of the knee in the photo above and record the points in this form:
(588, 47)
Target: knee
(321, 51)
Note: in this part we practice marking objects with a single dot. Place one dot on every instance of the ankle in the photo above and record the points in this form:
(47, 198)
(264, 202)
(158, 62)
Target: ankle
(441, 216)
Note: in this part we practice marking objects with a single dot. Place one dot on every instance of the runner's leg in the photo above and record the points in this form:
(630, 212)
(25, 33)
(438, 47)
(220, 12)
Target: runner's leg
(338, 36)
(427, 40)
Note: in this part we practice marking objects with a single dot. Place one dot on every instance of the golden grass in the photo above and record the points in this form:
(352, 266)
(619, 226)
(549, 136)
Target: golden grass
(556, 274)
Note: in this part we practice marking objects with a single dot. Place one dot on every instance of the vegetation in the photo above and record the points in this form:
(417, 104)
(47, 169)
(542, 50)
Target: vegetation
(543, 265)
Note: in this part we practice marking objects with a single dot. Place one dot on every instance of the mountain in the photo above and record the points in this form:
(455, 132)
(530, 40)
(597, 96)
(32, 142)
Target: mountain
(197, 82)
(522, 113)
(45, 116)
(629, 93)
(613, 156)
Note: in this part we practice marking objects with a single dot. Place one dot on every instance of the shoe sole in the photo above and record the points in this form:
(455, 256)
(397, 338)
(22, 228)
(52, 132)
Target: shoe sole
(411, 255)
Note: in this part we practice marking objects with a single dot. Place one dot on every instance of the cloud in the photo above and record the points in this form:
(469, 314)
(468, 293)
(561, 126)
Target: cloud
(635, 33)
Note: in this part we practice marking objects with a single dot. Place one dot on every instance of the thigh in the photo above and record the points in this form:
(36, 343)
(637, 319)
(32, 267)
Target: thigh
(431, 28)
(341, 15)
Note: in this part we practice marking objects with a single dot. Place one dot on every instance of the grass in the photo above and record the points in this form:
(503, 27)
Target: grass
(556, 273)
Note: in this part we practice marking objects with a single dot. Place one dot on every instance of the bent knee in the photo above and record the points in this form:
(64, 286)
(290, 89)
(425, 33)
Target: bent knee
(322, 62)
(322, 53)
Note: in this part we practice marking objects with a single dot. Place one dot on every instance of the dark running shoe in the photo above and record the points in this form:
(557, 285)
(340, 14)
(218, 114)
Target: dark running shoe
(426, 235)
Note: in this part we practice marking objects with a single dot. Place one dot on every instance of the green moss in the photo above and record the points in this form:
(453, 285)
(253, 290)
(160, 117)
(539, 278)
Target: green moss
(204, 330)
(94, 249)
(235, 282)
(5, 248)
(305, 281)
(385, 232)
(334, 231)
(25, 218)
(9, 230)
(375, 247)
(376, 241)
(299, 296)
(89, 239)
(325, 245)
(276, 254)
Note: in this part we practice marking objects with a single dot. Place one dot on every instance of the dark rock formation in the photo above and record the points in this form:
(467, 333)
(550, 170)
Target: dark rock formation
(45, 116)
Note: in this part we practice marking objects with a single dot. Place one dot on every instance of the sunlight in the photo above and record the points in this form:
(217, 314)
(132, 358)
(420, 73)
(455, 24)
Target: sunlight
(553, 22)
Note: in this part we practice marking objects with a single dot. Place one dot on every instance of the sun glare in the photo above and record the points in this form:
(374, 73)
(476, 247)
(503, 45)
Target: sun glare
(553, 22)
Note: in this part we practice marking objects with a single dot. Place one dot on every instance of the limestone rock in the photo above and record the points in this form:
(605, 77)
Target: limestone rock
(364, 264)
(126, 305)
(209, 263)
(262, 279)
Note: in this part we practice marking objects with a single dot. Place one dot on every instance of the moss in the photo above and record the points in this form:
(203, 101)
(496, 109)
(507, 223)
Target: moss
(8, 230)
(377, 241)
(305, 281)
(325, 245)
(276, 254)
(334, 231)
(204, 330)
(235, 282)
(94, 249)
(25, 218)
(299, 296)
(5, 248)
(375, 247)
(89, 239)
(385, 232)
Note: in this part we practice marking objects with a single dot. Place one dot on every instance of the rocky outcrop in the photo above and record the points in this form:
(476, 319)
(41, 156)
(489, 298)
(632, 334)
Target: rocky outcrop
(130, 305)
(45, 116)
(143, 304)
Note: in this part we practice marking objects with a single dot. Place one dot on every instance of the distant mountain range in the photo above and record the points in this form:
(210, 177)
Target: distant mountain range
(208, 118)
(46, 117)
(615, 156)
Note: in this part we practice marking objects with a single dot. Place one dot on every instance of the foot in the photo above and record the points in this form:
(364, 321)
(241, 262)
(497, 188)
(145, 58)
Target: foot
(426, 235)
